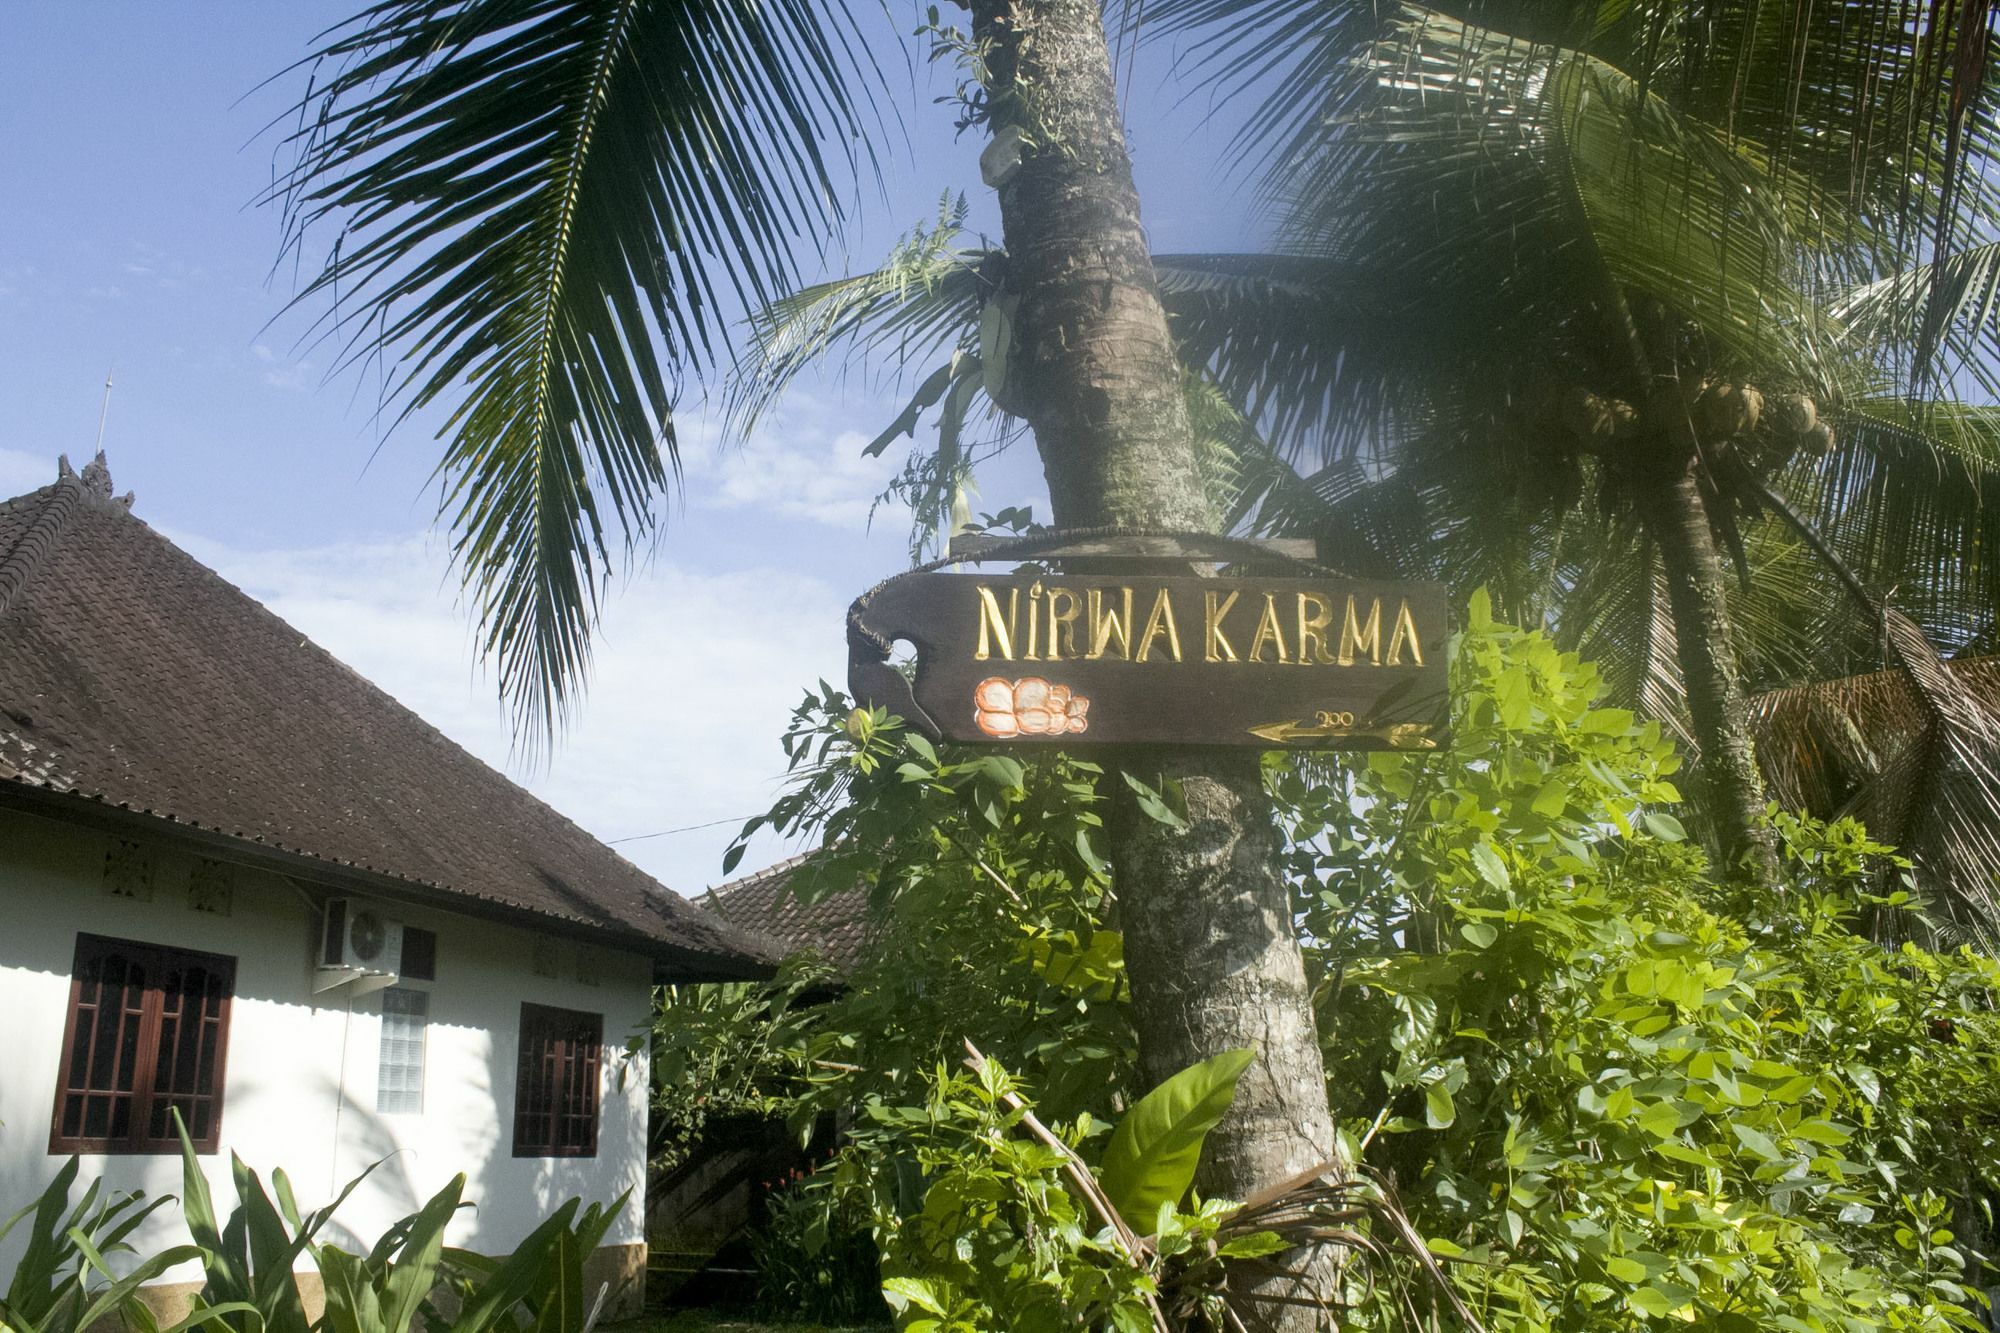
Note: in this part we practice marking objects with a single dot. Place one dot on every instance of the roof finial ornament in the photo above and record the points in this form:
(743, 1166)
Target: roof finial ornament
(97, 476)
(63, 470)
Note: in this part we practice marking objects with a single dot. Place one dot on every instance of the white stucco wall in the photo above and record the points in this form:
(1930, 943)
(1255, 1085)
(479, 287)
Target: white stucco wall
(299, 1090)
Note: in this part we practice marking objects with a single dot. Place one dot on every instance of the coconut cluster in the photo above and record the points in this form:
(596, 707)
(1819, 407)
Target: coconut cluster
(1728, 410)
(1027, 707)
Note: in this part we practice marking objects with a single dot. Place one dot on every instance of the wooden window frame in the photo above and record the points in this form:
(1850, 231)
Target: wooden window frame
(145, 1049)
(562, 1050)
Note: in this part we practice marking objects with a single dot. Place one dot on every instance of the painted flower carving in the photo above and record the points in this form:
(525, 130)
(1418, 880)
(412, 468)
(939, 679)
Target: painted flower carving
(1027, 707)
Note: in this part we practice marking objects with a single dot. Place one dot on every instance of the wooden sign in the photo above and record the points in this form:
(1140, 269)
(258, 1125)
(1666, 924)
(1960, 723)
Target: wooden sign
(1269, 663)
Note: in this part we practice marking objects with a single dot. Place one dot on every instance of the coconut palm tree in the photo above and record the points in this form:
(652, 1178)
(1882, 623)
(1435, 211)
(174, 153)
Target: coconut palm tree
(1673, 259)
(1624, 220)
(540, 206)
(1535, 256)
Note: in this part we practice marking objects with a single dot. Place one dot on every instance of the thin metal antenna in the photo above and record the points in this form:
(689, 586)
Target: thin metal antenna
(104, 411)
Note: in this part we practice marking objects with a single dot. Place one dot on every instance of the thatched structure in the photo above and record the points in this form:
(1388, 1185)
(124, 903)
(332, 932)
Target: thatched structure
(1912, 752)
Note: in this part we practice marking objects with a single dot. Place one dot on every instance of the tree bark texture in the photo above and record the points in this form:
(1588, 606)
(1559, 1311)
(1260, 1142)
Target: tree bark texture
(1718, 707)
(1093, 367)
(1210, 946)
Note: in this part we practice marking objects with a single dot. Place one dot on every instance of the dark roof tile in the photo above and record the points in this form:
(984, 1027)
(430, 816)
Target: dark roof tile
(836, 925)
(132, 676)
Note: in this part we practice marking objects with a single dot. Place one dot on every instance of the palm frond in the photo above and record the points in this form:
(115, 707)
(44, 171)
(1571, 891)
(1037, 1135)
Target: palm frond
(1887, 110)
(1935, 324)
(1907, 500)
(1615, 612)
(543, 207)
(1575, 183)
(1299, 342)
(922, 303)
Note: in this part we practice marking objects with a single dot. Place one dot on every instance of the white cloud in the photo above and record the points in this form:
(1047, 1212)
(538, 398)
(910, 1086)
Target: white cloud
(281, 373)
(796, 466)
(23, 472)
(695, 676)
(165, 272)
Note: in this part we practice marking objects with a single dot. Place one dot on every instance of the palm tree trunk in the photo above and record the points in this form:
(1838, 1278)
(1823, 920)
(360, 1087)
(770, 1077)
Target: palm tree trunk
(1697, 587)
(1210, 946)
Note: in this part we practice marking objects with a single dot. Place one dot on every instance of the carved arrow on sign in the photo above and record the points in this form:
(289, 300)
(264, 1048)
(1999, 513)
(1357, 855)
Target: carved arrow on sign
(1403, 736)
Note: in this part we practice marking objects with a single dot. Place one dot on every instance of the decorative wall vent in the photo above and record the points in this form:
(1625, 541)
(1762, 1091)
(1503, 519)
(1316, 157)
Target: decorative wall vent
(128, 870)
(211, 888)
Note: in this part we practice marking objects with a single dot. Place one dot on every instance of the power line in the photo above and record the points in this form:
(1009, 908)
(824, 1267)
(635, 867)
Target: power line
(686, 828)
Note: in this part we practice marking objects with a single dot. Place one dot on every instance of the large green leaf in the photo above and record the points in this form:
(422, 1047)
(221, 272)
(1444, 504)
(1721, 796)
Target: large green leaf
(248, 1259)
(51, 1289)
(1152, 1155)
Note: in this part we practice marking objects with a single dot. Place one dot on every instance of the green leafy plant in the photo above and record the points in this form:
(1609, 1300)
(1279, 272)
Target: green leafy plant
(1013, 1232)
(542, 1279)
(1612, 1089)
(726, 1049)
(816, 1258)
(1150, 1162)
(250, 1258)
(1017, 1231)
(64, 1282)
(987, 877)
(386, 1290)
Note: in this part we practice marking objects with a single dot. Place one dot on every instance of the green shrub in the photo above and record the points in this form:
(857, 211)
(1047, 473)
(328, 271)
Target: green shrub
(816, 1258)
(63, 1283)
(249, 1260)
(1611, 1090)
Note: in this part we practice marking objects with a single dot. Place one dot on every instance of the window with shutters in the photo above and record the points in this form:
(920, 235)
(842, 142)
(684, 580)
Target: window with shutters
(555, 1084)
(399, 1082)
(147, 1034)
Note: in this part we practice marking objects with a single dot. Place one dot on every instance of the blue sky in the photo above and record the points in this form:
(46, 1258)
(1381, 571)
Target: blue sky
(131, 243)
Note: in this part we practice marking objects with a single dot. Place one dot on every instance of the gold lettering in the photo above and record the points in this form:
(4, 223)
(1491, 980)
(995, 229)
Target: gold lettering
(1313, 629)
(1105, 626)
(1268, 631)
(1034, 622)
(1062, 624)
(989, 621)
(1214, 638)
(1406, 632)
(1158, 623)
(1357, 638)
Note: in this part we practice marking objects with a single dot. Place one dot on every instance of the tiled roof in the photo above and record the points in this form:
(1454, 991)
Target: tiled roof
(836, 925)
(134, 679)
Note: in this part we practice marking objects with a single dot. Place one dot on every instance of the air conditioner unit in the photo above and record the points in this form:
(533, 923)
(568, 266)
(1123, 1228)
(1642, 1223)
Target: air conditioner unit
(358, 947)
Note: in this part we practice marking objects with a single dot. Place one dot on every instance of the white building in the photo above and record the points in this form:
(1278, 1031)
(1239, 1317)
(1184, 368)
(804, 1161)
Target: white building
(238, 880)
